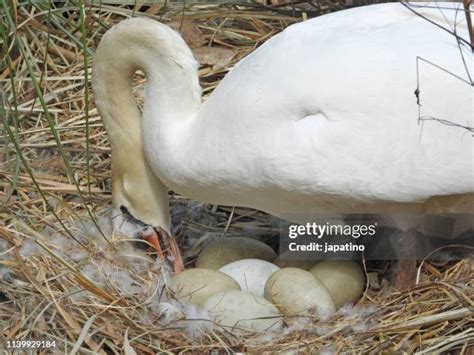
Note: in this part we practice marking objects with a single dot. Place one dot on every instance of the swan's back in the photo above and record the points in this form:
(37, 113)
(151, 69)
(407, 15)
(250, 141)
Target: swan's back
(346, 55)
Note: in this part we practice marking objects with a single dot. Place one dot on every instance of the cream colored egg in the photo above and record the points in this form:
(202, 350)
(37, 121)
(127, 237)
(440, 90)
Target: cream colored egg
(242, 310)
(343, 278)
(297, 292)
(196, 285)
(251, 274)
(227, 250)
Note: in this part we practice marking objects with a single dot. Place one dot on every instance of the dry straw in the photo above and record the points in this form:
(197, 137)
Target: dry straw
(55, 171)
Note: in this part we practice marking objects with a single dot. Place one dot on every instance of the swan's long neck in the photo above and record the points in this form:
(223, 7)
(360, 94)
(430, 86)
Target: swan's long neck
(172, 97)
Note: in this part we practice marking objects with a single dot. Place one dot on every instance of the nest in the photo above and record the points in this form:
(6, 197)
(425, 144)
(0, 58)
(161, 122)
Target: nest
(55, 171)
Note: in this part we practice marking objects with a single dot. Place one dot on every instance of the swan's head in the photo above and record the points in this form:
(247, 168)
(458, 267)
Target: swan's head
(139, 198)
(141, 203)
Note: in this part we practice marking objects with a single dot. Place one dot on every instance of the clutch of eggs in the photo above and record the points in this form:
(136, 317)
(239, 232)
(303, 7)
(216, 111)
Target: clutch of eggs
(238, 283)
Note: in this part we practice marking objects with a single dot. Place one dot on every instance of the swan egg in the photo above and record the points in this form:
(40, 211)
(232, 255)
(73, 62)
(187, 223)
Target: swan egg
(251, 274)
(227, 250)
(297, 292)
(343, 278)
(244, 311)
(282, 261)
(196, 285)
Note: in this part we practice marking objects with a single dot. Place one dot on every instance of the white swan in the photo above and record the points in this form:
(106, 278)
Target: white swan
(322, 118)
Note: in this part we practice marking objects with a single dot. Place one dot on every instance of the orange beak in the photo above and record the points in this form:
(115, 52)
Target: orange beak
(155, 243)
(172, 247)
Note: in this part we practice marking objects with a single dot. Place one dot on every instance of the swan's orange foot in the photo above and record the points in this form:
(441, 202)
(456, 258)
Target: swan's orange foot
(166, 246)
